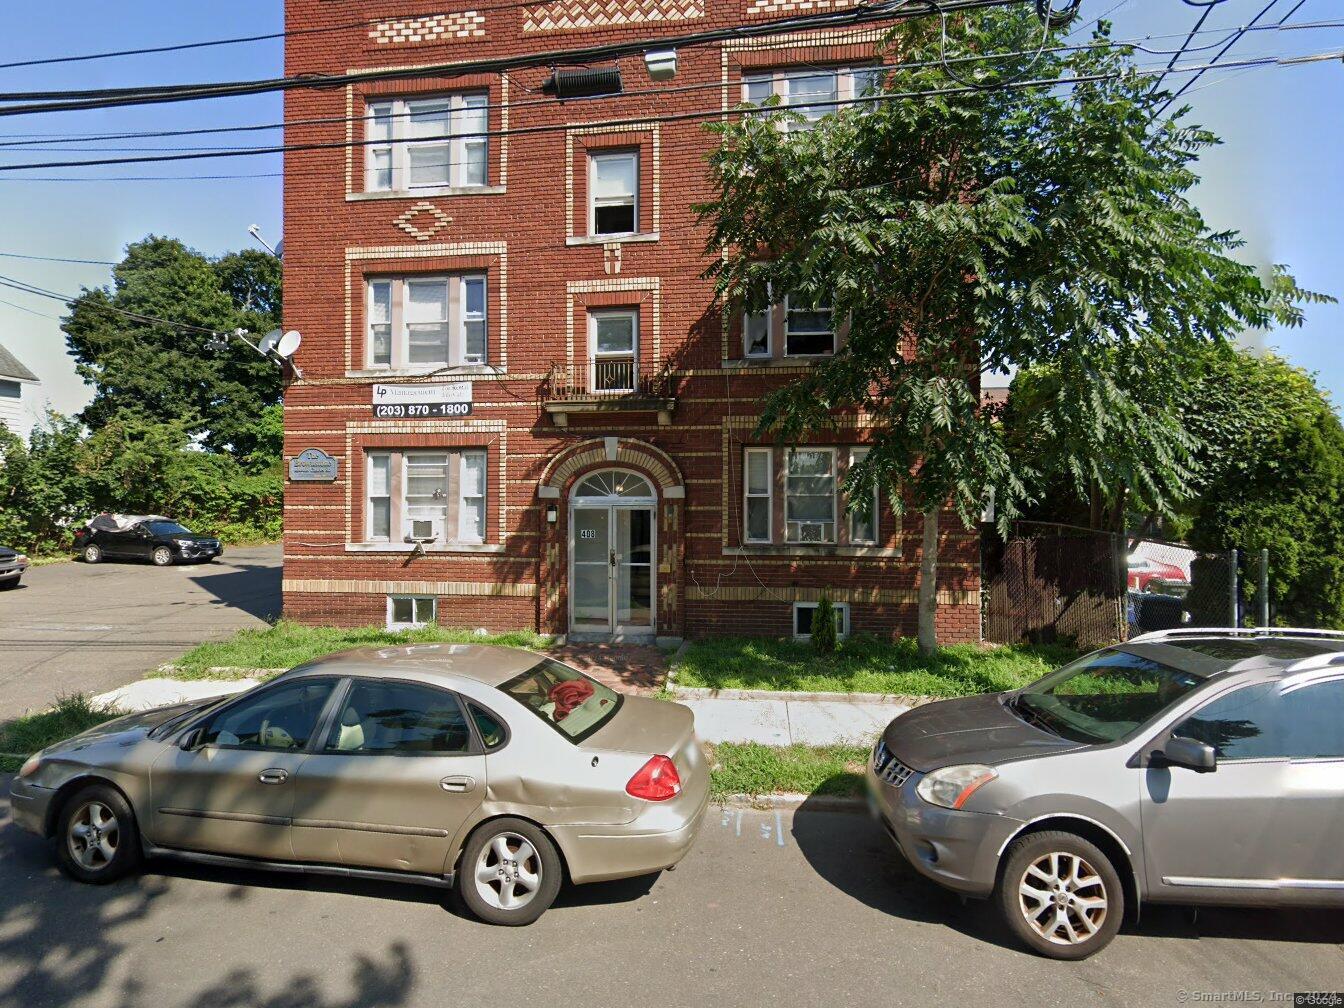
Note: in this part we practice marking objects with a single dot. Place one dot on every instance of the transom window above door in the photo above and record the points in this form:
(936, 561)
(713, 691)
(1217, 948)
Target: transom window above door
(613, 188)
(427, 143)
(614, 483)
(431, 321)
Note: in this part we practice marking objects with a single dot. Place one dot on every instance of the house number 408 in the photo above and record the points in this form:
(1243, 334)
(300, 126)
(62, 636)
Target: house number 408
(587, 533)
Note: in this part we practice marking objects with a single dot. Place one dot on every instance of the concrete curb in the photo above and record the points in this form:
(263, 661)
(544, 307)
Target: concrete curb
(222, 672)
(703, 693)
(793, 800)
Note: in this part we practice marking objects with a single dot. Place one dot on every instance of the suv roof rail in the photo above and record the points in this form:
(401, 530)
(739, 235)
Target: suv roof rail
(1179, 632)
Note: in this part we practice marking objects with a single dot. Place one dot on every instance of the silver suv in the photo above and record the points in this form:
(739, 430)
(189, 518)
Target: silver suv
(1185, 766)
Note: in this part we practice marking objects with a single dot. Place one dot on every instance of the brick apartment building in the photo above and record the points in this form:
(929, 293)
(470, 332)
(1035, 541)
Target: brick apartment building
(538, 417)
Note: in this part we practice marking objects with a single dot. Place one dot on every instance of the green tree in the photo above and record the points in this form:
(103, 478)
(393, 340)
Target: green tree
(44, 487)
(174, 372)
(1270, 474)
(983, 228)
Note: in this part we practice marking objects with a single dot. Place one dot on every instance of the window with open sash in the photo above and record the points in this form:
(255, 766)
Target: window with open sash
(433, 321)
(428, 497)
(613, 187)
(427, 143)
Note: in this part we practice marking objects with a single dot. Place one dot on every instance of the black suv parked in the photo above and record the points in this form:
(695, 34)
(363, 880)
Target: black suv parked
(160, 541)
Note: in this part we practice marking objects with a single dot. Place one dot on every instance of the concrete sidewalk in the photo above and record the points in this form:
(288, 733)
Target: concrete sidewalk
(767, 721)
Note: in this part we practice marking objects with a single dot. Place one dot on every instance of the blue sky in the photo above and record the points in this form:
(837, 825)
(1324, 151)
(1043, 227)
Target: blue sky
(1275, 177)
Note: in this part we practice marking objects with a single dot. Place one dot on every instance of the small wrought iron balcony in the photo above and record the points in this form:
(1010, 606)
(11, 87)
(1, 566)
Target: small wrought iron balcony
(607, 384)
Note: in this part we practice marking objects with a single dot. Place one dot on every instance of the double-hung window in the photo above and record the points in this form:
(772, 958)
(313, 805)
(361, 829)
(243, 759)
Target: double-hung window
(427, 322)
(810, 92)
(758, 495)
(809, 329)
(863, 527)
(613, 187)
(614, 339)
(756, 341)
(429, 497)
(430, 143)
(809, 495)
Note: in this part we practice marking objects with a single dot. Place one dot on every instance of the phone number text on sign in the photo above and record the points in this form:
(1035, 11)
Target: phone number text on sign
(399, 411)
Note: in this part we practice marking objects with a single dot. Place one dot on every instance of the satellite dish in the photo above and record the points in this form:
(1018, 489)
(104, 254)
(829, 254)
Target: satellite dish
(269, 341)
(288, 344)
(280, 249)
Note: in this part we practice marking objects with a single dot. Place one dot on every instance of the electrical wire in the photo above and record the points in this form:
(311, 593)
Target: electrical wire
(683, 117)
(268, 36)
(1236, 37)
(27, 288)
(1207, 9)
(38, 140)
(99, 98)
(38, 258)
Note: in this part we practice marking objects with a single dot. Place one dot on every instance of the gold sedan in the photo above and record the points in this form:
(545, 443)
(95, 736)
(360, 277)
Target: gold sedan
(492, 769)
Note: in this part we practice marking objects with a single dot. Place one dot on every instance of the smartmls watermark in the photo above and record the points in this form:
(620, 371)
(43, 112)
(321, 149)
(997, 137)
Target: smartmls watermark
(1308, 999)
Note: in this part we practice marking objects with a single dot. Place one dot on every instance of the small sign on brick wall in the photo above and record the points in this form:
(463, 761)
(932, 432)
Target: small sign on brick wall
(401, 402)
(313, 465)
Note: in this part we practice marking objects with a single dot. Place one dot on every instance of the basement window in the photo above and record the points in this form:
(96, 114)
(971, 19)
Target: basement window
(407, 612)
(802, 619)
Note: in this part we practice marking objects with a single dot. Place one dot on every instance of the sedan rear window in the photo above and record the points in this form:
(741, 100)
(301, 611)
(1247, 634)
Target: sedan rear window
(1102, 697)
(565, 698)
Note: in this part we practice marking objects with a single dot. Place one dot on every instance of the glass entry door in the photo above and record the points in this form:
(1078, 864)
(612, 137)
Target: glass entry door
(611, 579)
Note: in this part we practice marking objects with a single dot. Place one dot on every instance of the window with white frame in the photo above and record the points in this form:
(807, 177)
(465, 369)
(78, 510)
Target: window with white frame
(613, 193)
(863, 527)
(809, 495)
(613, 338)
(429, 497)
(756, 337)
(406, 612)
(758, 494)
(432, 321)
(809, 329)
(427, 143)
(811, 92)
(803, 612)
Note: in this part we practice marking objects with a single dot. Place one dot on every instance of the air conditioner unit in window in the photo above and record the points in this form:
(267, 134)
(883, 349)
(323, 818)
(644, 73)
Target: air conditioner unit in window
(810, 532)
(425, 530)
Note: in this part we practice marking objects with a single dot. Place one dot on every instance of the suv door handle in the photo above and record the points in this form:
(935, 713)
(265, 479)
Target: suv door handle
(273, 776)
(459, 785)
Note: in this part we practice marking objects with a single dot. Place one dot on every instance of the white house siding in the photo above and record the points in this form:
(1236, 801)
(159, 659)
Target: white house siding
(16, 411)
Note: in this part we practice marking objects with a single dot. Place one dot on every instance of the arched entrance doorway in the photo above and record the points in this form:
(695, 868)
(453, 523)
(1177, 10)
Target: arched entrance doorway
(612, 550)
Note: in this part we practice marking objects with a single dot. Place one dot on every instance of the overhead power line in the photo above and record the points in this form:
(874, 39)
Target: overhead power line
(83, 100)
(265, 36)
(681, 117)
(27, 288)
(1237, 36)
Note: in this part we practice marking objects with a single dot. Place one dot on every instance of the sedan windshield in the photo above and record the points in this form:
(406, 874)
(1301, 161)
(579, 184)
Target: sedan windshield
(167, 528)
(565, 698)
(1102, 697)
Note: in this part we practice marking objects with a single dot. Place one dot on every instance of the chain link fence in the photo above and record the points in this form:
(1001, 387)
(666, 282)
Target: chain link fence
(1051, 583)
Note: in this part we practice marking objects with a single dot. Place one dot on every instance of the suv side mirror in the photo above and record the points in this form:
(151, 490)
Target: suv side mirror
(192, 740)
(1186, 752)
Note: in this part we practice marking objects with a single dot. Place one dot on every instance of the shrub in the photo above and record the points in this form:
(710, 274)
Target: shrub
(823, 626)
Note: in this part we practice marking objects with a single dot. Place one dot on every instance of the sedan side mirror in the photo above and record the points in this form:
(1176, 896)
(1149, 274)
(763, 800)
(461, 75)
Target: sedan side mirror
(1186, 752)
(192, 740)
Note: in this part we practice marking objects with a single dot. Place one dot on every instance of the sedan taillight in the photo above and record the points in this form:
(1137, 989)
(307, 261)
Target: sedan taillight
(656, 780)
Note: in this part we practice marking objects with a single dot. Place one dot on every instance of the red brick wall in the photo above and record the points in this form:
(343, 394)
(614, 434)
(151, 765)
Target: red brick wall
(332, 242)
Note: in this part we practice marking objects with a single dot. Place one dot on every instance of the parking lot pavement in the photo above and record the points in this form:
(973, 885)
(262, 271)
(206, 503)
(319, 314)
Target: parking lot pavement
(806, 909)
(76, 627)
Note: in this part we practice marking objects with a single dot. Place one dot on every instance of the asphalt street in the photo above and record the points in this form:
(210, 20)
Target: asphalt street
(806, 908)
(77, 627)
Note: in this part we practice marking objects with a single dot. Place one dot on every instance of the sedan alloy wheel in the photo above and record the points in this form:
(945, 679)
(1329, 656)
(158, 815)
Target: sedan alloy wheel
(1062, 898)
(93, 836)
(508, 872)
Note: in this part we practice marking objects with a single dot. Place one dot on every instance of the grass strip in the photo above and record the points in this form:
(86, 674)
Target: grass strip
(287, 644)
(71, 715)
(863, 665)
(748, 768)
